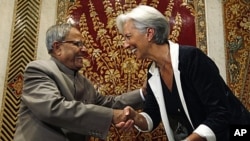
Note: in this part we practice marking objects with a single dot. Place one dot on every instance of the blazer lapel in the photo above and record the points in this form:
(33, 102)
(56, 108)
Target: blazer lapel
(155, 84)
(174, 53)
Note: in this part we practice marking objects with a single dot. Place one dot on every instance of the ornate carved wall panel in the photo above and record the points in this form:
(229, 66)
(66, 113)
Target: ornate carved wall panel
(111, 69)
(109, 64)
(22, 50)
(237, 39)
(114, 70)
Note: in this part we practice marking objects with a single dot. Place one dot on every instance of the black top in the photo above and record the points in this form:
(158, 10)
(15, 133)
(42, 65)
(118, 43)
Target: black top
(174, 109)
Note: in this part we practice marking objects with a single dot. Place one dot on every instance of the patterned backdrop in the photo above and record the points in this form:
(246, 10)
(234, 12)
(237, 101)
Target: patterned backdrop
(237, 37)
(112, 69)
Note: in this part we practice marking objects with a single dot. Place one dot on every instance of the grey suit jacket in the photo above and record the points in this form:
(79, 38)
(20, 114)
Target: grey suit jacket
(59, 104)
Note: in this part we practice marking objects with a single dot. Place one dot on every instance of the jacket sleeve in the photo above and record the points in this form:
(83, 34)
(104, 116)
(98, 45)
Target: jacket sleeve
(42, 94)
(132, 98)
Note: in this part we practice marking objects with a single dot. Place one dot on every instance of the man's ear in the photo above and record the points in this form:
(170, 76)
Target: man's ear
(56, 47)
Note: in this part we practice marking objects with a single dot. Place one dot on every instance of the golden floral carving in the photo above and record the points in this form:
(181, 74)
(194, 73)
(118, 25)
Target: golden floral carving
(245, 23)
(237, 29)
(176, 28)
(201, 38)
(117, 66)
(169, 9)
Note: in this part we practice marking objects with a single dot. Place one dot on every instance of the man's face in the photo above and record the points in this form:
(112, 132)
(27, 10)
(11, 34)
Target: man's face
(71, 51)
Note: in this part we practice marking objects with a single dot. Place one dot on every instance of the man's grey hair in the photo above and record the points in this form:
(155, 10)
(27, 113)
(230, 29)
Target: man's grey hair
(145, 17)
(57, 33)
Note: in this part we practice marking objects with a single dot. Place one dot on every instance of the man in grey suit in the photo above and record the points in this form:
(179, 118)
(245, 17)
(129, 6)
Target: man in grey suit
(60, 104)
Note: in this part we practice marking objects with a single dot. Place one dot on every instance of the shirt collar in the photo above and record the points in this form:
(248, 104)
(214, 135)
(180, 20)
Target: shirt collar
(63, 68)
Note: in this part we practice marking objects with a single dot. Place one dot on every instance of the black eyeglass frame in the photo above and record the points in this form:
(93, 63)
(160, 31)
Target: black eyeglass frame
(79, 44)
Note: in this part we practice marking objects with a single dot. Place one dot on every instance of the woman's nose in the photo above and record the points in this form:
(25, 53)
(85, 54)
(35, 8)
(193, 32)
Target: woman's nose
(125, 44)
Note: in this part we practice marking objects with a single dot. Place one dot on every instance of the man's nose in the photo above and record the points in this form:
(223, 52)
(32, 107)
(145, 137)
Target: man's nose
(83, 48)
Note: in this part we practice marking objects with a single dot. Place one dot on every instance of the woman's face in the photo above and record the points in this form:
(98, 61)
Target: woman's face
(136, 41)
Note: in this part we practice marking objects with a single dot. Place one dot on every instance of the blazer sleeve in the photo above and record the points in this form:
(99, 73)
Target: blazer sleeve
(206, 84)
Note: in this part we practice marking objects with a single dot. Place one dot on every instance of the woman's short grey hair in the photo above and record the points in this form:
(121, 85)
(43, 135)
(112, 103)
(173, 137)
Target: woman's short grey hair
(143, 17)
(57, 33)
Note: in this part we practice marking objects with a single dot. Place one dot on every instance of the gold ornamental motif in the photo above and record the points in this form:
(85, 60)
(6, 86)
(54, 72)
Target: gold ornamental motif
(237, 29)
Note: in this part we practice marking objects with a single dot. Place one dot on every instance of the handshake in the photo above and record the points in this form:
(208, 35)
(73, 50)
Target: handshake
(126, 119)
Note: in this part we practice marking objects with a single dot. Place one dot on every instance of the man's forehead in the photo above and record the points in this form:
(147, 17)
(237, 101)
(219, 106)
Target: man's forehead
(74, 30)
(74, 33)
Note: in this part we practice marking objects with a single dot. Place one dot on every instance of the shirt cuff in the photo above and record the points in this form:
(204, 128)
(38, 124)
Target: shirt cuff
(142, 96)
(149, 122)
(205, 132)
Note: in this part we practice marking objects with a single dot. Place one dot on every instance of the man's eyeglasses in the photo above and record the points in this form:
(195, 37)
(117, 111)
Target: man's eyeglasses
(76, 43)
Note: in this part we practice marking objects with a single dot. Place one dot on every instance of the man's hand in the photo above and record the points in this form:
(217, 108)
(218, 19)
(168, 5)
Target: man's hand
(119, 116)
(127, 124)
